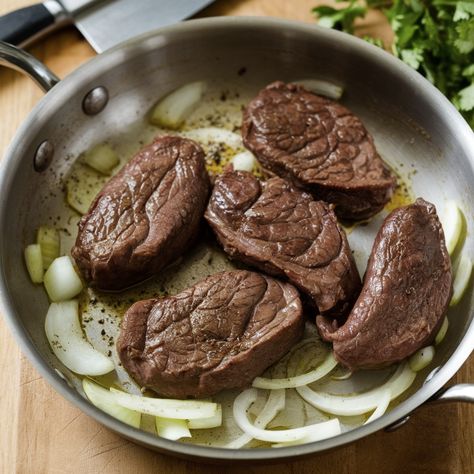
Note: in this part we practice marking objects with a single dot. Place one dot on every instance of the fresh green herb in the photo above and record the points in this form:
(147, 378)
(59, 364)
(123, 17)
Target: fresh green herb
(435, 37)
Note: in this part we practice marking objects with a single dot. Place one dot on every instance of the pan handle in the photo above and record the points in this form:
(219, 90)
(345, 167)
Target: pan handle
(463, 392)
(16, 58)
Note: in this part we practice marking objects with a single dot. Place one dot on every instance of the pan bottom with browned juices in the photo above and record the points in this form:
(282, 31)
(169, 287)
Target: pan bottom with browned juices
(417, 132)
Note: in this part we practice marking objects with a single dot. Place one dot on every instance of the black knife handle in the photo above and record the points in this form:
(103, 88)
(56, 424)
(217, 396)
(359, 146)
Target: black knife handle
(20, 25)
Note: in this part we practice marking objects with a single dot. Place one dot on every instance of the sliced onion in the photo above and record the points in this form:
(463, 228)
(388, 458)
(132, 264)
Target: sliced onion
(104, 400)
(384, 402)
(172, 429)
(452, 225)
(304, 379)
(442, 331)
(206, 423)
(421, 358)
(101, 158)
(49, 241)
(320, 87)
(246, 398)
(461, 279)
(275, 403)
(215, 135)
(164, 407)
(34, 262)
(173, 110)
(67, 341)
(350, 405)
(244, 161)
(333, 428)
(61, 280)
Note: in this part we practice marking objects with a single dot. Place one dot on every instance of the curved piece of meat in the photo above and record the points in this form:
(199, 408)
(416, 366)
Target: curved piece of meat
(145, 216)
(406, 292)
(284, 232)
(219, 334)
(320, 146)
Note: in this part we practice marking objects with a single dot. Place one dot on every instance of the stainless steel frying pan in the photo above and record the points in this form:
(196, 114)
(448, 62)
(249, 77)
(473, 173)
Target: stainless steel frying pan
(413, 124)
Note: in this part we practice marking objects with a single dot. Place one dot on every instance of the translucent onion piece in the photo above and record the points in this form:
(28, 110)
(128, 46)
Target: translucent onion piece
(104, 400)
(244, 161)
(101, 158)
(173, 110)
(82, 186)
(215, 135)
(442, 331)
(172, 429)
(292, 382)
(275, 403)
(461, 279)
(61, 280)
(206, 423)
(67, 341)
(319, 431)
(350, 405)
(384, 402)
(421, 358)
(49, 241)
(324, 88)
(452, 225)
(34, 262)
(164, 407)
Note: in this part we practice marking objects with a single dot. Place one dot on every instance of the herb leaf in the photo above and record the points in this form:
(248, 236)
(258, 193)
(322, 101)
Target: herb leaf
(434, 37)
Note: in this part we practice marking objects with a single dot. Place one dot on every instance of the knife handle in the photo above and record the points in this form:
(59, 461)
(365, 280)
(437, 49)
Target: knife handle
(25, 25)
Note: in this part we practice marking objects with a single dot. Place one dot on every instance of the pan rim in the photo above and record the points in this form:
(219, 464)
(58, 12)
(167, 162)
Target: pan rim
(11, 162)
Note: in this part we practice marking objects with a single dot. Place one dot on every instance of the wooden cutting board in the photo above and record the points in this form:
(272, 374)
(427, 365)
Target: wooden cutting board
(42, 433)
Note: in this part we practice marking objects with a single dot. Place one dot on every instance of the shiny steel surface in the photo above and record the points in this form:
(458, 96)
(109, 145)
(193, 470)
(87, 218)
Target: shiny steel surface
(112, 22)
(16, 58)
(414, 125)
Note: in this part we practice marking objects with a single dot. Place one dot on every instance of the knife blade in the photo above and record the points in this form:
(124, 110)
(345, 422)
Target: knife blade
(104, 23)
(109, 23)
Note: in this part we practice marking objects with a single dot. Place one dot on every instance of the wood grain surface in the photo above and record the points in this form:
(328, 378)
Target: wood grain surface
(41, 433)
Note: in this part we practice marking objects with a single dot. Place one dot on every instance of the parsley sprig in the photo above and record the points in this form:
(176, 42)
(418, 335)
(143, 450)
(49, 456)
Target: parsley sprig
(435, 37)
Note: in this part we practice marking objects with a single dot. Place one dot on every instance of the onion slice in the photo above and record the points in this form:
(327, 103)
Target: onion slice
(304, 379)
(317, 431)
(452, 225)
(325, 88)
(384, 402)
(104, 400)
(164, 407)
(244, 161)
(461, 279)
(208, 135)
(61, 280)
(351, 405)
(206, 423)
(421, 358)
(49, 241)
(442, 331)
(173, 110)
(101, 158)
(34, 263)
(172, 429)
(274, 404)
(67, 341)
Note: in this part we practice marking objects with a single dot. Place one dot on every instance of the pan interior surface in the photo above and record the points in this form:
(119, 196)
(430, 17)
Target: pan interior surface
(415, 129)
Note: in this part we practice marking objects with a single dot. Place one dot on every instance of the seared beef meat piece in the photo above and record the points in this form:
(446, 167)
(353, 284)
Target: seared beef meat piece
(319, 146)
(219, 334)
(406, 292)
(145, 216)
(284, 232)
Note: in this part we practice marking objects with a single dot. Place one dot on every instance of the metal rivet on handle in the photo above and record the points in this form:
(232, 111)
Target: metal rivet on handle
(398, 424)
(95, 100)
(43, 156)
